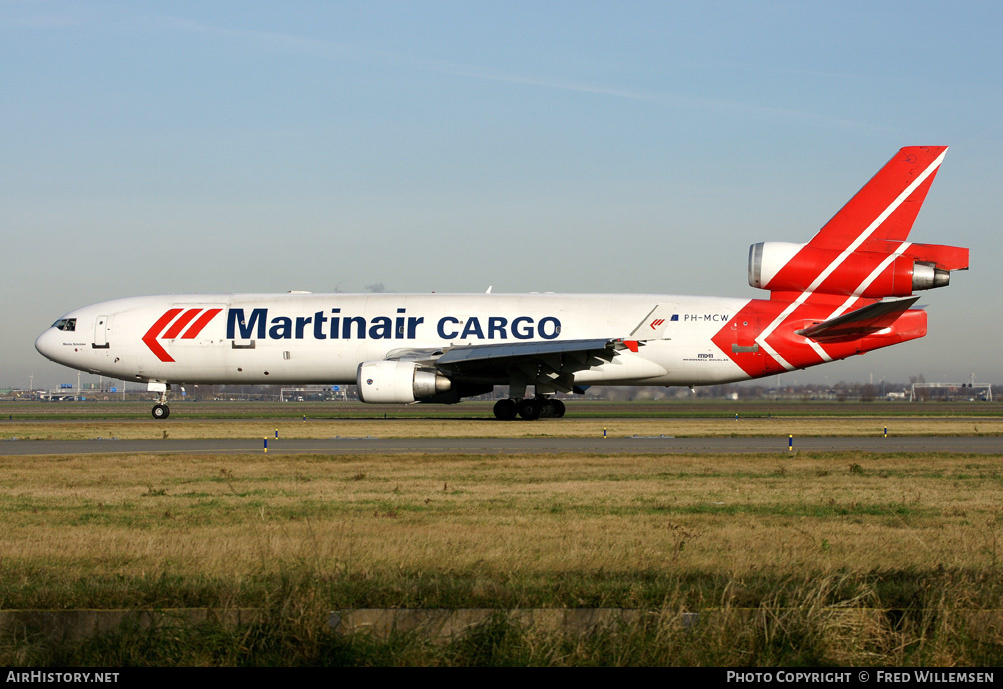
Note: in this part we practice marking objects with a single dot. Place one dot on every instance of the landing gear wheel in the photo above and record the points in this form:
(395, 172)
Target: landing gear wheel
(505, 410)
(558, 408)
(161, 411)
(529, 409)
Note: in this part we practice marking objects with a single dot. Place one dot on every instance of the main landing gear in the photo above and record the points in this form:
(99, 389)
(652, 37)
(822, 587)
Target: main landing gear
(160, 409)
(529, 408)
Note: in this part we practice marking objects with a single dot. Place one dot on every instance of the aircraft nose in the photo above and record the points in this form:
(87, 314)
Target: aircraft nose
(46, 343)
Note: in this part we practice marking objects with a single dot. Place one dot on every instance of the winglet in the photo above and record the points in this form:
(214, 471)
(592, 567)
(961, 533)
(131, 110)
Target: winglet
(652, 326)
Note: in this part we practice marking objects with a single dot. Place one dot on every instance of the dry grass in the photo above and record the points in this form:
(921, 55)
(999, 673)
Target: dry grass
(238, 515)
(181, 428)
(791, 560)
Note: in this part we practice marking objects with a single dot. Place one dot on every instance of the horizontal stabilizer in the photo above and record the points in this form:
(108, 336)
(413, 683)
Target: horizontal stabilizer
(861, 322)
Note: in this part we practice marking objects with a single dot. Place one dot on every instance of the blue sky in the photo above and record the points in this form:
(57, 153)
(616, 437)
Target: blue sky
(562, 146)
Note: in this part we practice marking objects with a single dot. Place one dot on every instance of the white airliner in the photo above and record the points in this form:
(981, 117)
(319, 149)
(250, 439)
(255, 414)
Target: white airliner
(847, 291)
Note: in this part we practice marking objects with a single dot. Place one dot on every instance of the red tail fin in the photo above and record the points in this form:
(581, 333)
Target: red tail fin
(830, 297)
(863, 250)
(886, 207)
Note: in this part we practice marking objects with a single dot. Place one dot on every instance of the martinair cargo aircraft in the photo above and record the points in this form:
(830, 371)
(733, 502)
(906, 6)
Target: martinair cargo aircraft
(847, 291)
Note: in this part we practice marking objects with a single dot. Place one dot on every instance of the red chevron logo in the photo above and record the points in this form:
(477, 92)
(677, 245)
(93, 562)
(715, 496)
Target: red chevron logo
(657, 322)
(169, 326)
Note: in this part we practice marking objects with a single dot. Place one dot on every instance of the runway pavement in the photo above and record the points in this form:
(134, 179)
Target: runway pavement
(628, 445)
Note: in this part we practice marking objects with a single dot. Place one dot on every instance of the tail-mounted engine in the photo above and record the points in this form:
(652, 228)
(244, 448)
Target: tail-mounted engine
(786, 267)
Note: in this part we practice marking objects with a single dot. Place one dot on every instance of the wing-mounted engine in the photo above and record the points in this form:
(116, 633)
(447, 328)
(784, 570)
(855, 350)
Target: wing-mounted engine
(398, 382)
(448, 375)
(896, 271)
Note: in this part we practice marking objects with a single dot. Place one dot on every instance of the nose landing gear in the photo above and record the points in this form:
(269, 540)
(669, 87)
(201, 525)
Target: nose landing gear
(160, 409)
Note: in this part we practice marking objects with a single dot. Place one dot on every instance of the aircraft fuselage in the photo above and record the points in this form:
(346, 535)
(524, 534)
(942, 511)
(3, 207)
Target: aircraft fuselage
(322, 338)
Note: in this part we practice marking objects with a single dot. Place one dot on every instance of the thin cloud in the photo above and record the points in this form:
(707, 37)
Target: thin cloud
(333, 50)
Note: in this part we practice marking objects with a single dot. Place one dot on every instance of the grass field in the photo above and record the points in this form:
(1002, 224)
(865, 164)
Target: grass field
(823, 559)
(77, 421)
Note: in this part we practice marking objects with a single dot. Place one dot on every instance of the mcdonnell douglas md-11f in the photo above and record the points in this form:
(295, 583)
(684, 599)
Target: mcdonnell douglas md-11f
(847, 291)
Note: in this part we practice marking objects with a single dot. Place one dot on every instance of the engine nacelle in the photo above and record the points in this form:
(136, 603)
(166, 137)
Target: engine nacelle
(786, 267)
(397, 382)
(766, 259)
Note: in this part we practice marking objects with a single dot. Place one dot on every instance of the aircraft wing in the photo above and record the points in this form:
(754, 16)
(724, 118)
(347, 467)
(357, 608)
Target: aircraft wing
(549, 364)
(476, 355)
(861, 322)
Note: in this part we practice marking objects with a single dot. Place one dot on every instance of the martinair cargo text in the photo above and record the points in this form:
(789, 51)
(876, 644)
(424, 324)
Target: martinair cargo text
(847, 291)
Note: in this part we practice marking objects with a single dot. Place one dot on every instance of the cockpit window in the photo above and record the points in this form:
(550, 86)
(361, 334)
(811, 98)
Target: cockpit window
(66, 324)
